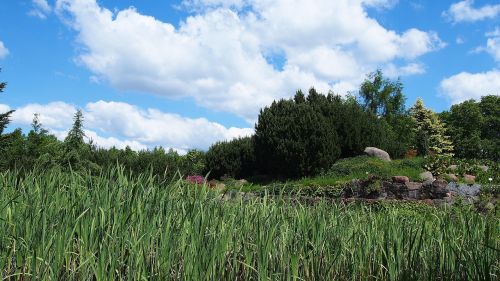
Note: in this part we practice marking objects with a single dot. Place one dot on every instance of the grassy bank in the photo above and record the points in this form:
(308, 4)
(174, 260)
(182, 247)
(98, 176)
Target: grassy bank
(67, 226)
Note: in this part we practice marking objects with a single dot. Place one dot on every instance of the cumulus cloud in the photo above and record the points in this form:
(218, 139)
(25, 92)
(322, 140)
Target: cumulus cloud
(217, 56)
(3, 50)
(493, 44)
(120, 124)
(4, 108)
(464, 11)
(465, 85)
(41, 9)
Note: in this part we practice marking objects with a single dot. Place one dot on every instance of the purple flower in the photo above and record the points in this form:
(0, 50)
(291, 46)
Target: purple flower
(195, 179)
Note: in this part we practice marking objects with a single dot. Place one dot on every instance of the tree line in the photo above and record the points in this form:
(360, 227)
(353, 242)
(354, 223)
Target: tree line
(295, 137)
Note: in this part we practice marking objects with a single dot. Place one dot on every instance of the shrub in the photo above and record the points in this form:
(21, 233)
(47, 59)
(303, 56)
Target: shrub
(304, 136)
(234, 159)
(295, 138)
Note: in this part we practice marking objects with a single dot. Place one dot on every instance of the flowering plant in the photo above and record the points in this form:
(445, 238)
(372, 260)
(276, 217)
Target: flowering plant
(195, 179)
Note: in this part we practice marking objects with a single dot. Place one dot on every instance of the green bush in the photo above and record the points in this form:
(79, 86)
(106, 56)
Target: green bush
(304, 136)
(234, 159)
(293, 138)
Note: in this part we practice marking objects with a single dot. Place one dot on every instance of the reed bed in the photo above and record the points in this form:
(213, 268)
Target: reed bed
(68, 226)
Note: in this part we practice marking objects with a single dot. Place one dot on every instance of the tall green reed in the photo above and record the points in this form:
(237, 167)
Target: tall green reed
(68, 226)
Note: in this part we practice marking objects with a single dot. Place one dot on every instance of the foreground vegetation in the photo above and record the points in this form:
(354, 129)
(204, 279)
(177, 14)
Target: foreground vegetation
(56, 225)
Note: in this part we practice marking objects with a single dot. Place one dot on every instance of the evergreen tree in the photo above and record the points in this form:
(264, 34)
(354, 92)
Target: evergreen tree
(4, 117)
(430, 132)
(75, 138)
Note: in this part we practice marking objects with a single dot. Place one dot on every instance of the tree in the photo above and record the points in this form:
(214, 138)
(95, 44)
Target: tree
(475, 128)
(382, 96)
(235, 158)
(293, 138)
(430, 132)
(75, 138)
(4, 117)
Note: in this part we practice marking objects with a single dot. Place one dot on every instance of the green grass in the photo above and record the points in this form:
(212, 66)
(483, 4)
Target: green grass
(60, 226)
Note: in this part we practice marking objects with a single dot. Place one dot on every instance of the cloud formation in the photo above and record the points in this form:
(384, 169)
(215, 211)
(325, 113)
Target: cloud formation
(3, 50)
(465, 85)
(219, 55)
(120, 124)
(464, 11)
(41, 9)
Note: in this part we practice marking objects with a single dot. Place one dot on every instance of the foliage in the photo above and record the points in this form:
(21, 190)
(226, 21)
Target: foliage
(430, 132)
(362, 167)
(298, 134)
(382, 96)
(4, 121)
(437, 164)
(235, 159)
(311, 133)
(475, 128)
(65, 226)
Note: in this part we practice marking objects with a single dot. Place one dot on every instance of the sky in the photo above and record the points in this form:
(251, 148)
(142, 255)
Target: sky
(185, 74)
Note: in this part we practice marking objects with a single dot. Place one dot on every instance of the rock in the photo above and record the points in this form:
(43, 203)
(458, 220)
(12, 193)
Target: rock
(452, 168)
(483, 168)
(470, 179)
(413, 185)
(434, 190)
(400, 179)
(464, 190)
(377, 152)
(426, 176)
(414, 194)
(439, 188)
(451, 177)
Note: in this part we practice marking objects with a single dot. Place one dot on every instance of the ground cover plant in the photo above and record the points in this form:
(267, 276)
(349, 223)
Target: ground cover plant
(57, 225)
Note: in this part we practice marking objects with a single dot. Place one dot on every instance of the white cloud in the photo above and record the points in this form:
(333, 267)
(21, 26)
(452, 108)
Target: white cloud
(3, 50)
(125, 124)
(464, 86)
(393, 71)
(54, 115)
(493, 44)
(4, 108)
(464, 12)
(381, 4)
(41, 9)
(217, 55)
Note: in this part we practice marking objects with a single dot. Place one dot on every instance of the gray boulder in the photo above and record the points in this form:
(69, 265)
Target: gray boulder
(377, 152)
(426, 176)
(460, 189)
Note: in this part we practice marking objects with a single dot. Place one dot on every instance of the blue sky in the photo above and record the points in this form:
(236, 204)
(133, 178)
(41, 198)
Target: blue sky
(184, 74)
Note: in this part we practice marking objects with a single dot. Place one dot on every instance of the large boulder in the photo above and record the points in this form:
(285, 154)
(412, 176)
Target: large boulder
(377, 152)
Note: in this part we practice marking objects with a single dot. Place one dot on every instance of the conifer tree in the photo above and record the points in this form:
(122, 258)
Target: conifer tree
(430, 132)
(4, 117)
(75, 140)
